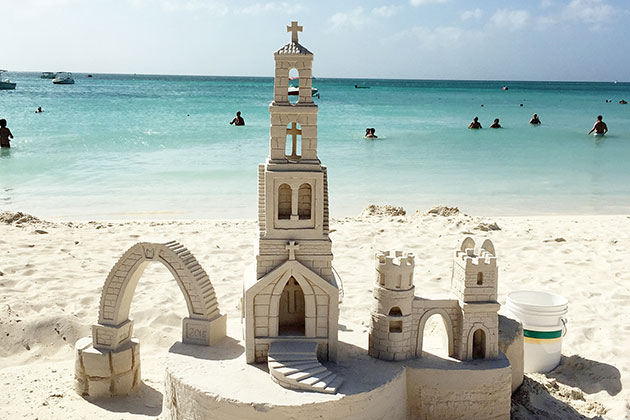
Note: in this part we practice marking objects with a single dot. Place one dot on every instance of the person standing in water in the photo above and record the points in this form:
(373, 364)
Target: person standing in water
(600, 128)
(238, 120)
(5, 134)
(535, 120)
(475, 124)
(495, 124)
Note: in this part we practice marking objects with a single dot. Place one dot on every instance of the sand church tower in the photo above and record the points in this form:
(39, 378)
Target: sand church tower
(293, 296)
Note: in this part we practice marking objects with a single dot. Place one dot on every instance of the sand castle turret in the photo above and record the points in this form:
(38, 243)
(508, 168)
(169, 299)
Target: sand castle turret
(293, 296)
(391, 315)
(474, 283)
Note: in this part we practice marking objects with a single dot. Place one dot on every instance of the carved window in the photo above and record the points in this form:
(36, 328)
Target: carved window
(479, 344)
(479, 279)
(395, 325)
(395, 311)
(284, 201)
(305, 197)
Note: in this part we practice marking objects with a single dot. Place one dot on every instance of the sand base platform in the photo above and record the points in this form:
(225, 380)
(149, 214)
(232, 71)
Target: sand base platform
(216, 383)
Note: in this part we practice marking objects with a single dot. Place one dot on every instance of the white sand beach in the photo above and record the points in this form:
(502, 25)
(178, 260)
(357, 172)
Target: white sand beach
(51, 275)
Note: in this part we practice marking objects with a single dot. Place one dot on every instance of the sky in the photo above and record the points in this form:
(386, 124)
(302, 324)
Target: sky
(586, 40)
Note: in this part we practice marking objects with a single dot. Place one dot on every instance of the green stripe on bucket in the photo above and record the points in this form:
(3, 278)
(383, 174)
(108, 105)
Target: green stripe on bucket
(542, 334)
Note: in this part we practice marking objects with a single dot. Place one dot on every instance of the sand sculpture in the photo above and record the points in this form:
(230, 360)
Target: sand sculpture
(291, 306)
(290, 309)
(471, 320)
(108, 363)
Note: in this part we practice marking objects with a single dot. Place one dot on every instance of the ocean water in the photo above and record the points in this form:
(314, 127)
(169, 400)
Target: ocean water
(158, 147)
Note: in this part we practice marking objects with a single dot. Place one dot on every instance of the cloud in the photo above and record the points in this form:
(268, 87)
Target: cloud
(359, 17)
(354, 18)
(431, 39)
(593, 11)
(545, 4)
(512, 20)
(276, 7)
(423, 2)
(472, 14)
(385, 11)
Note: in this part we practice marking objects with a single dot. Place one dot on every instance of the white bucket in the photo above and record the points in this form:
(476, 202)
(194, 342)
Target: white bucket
(543, 316)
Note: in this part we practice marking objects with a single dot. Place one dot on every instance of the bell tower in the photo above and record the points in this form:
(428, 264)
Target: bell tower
(292, 184)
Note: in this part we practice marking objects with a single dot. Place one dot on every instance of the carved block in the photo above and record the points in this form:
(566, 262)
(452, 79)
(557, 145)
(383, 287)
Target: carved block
(110, 337)
(204, 332)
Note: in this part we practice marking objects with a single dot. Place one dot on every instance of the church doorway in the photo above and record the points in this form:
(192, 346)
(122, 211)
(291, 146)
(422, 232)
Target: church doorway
(292, 313)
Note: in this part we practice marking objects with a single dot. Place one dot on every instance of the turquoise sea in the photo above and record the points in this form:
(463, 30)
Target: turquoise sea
(157, 147)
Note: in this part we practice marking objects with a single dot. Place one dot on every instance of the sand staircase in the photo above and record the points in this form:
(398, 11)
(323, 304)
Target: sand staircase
(294, 365)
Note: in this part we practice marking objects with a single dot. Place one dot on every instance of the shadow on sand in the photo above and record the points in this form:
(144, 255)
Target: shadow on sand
(227, 349)
(589, 375)
(144, 400)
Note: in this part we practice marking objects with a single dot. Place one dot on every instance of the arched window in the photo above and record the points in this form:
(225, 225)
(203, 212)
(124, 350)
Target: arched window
(284, 201)
(293, 143)
(304, 201)
(479, 278)
(479, 344)
(395, 311)
(395, 325)
(294, 86)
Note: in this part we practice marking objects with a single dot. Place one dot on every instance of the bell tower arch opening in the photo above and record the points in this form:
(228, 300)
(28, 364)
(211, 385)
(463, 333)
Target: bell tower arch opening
(294, 86)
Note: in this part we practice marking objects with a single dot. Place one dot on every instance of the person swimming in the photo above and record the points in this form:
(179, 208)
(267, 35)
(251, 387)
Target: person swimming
(600, 128)
(475, 124)
(39, 110)
(495, 124)
(370, 133)
(5, 134)
(535, 120)
(238, 120)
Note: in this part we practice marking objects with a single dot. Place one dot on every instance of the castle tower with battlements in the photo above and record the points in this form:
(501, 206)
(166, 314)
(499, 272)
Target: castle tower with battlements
(475, 283)
(294, 295)
(391, 316)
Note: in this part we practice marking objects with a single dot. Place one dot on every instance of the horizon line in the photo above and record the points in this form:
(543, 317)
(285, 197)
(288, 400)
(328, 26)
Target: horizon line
(337, 77)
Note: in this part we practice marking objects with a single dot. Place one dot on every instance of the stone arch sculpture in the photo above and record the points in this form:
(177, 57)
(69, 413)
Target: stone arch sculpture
(108, 363)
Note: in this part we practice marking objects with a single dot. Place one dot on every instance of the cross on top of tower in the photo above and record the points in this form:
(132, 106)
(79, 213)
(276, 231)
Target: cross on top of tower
(294, 29)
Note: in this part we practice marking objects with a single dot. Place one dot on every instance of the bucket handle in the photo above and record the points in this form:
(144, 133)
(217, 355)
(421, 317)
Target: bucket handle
(564, 326)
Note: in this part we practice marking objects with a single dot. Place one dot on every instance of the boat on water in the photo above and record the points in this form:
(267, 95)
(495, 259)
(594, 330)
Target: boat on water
(294, 90)
(63, 78)
(48, 75)
(5, 83)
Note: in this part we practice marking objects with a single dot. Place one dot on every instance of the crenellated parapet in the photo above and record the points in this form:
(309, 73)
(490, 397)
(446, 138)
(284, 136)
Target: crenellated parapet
(394, 270)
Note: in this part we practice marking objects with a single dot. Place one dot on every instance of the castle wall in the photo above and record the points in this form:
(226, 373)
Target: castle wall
(469, 393)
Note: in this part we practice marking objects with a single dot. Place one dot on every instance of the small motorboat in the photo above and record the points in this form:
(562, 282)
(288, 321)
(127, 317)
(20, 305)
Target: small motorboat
(48, 75)
(294, 91)
(63, 78)
(6, 84)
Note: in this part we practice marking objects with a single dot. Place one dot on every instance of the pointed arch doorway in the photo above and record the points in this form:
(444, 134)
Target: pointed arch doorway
(291, 316)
